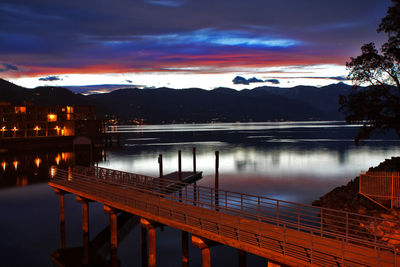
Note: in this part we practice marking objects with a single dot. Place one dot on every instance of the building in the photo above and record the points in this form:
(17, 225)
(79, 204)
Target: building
(27, 121)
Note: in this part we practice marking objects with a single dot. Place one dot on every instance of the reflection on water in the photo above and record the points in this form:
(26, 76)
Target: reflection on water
(296, 161)
(292, 161)
(24, 168)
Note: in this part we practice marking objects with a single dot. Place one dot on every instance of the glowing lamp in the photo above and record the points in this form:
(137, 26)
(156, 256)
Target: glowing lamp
(57, 129)
(4, 164)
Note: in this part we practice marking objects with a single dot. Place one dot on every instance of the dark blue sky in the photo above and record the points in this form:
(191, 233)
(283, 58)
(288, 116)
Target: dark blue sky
(122, 38)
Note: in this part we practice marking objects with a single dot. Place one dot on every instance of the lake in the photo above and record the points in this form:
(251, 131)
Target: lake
(295, 161)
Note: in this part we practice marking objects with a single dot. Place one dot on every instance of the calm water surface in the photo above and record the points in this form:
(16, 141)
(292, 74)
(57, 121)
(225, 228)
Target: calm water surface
(293, 161)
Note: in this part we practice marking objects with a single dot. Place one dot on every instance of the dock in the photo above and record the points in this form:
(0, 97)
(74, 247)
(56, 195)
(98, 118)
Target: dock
(284, 233)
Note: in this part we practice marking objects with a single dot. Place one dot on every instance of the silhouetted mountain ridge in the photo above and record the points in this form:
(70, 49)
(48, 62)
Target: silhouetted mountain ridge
(166, 105)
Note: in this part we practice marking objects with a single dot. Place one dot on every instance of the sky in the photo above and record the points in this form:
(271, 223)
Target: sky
(184, 43)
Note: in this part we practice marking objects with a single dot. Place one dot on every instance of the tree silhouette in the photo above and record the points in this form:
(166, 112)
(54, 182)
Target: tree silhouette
(376, 106)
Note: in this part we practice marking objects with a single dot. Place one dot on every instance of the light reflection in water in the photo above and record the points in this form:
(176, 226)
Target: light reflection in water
(4, 165)
(297, 161)
(37, 162)
(57, 159)
(53, 171)
(15, 164)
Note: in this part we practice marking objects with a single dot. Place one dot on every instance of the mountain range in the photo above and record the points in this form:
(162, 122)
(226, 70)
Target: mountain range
(166, 105)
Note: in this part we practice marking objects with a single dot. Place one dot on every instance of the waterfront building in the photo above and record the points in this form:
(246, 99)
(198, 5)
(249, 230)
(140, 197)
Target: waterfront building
(29, 120)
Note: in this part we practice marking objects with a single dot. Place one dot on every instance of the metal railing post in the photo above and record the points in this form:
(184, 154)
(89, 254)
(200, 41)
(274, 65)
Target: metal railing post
(241, 203)
(284, 239)
(391, 197)
(322, 221)
(226, 199)
(277, 212)
(298, 217)
(347, 227)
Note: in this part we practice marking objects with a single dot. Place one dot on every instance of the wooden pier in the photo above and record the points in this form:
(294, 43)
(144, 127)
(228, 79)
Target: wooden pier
(285, 233)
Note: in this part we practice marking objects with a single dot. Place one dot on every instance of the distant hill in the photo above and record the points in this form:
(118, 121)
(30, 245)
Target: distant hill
(166, 105)
(98, 88)
(46, 95)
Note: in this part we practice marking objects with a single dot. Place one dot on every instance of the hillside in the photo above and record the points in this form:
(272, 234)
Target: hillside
(165, 105)
(17, 95)
(188, 105)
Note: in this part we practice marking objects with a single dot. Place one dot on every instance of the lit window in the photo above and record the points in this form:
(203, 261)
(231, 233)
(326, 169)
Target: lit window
(20, 110)
(51, 117)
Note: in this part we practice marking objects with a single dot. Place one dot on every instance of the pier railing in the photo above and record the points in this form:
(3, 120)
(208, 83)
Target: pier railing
(251, 214)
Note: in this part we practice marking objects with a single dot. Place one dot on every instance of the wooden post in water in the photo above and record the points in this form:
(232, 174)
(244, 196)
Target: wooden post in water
(160, 165)
(216, 187)
(180, 165)
(194, 160)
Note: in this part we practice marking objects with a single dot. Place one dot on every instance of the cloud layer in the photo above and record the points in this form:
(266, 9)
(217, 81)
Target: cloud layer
(50, 38)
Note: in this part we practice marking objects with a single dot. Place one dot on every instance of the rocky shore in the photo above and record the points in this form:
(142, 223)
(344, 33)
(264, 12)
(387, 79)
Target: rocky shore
(347, 198)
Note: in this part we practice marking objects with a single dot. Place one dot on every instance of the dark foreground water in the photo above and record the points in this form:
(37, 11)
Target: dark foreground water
(292, 161)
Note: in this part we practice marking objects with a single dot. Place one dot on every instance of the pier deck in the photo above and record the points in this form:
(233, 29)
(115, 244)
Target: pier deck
(283, 232)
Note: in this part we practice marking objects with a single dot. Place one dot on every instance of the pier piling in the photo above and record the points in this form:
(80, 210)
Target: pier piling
(205, 245)
(242, 258)
(151, 228)
(185, 249)
(85, 227)
(143, 244)
(62, 216)
(112, 213)
(160, 165)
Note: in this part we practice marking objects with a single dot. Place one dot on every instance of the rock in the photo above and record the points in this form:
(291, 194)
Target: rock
(347, 198)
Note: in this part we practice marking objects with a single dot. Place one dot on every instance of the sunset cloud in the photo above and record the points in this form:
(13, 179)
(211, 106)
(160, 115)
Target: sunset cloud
(54, 38)
(50, 79)
(4, 67)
